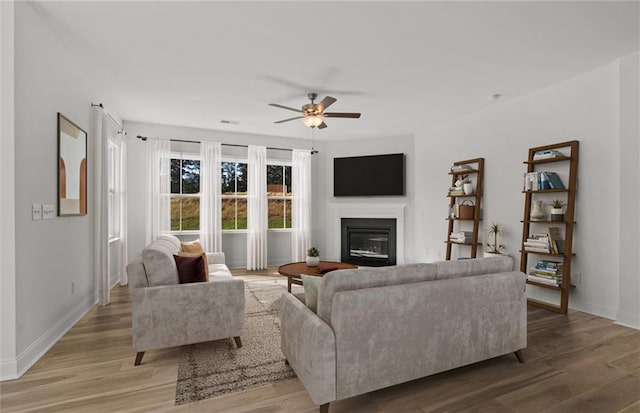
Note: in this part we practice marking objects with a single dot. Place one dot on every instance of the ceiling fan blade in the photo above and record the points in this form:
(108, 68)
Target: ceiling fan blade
(287, 120)
(322, 125)
(342, 115)
(325, 103)
(285, 107)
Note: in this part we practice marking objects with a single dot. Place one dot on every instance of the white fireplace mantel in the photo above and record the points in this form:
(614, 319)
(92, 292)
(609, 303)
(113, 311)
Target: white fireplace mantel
(360, 210)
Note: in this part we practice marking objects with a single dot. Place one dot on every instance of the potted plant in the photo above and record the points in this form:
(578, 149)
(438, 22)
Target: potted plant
(313, 258)
(467, 186)
(557, 213)
(495, 248)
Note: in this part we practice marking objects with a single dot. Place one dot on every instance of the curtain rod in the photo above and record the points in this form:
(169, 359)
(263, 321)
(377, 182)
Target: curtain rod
(144, 138)
(111, 118)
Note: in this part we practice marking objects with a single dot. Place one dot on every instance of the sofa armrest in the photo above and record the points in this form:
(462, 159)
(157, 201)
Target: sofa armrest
(171, 315)
(215, 257)
(309, 345)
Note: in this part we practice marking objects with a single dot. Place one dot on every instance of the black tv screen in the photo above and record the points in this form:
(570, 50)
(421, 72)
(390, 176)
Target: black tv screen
(369, 175)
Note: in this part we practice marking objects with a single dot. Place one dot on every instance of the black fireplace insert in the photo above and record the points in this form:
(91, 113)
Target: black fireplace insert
(368, 241)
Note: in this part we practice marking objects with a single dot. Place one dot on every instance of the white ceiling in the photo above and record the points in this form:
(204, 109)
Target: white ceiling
(403, 65)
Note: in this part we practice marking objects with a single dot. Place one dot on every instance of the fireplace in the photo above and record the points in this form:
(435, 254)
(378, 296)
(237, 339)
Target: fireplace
(368, 241)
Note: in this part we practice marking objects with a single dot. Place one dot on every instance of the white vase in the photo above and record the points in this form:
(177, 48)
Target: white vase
(468, 189)
(537, 212)
(313, 261)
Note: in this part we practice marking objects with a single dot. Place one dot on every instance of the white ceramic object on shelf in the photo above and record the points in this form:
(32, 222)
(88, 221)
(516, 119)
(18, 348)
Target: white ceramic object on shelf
(468, 189)
(537, 212)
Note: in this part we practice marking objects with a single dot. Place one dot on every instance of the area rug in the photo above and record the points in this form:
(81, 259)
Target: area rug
(218, 367)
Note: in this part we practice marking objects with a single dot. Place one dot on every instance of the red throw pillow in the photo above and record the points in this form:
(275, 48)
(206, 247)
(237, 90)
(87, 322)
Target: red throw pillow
(190, 269)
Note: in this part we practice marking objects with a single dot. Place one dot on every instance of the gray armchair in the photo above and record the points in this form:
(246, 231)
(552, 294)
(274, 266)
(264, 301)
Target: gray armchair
(167, 314)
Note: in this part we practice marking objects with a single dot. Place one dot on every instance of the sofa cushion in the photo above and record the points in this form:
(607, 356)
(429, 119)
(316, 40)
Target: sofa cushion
(219, 270)
(204, 259)
(193, 247)
(171, 239)
(190, 269)
(159, 264)
(311, 284)
(476, 266)
(345, 280)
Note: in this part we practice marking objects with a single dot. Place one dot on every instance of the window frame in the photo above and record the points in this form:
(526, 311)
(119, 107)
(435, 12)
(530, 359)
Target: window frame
(114, 190)
(229, 159)
(191, 157)
(283, 163)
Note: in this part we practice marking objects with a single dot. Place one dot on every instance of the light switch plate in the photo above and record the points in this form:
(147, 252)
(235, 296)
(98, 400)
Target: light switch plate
(48, 212)
(36, 212)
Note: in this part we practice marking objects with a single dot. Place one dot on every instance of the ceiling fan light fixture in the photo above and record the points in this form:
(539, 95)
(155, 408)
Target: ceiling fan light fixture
(312, 120)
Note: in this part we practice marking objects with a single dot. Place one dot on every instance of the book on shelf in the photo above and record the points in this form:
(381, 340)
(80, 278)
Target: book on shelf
(465, 237)
(461, 168)
(538, 181)
(456, 191)
(554, 180)
(542, 280)
(547, 154)
(555, 235)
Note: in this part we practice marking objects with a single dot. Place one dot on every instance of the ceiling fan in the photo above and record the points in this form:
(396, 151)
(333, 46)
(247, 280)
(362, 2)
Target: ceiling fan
(313, 114)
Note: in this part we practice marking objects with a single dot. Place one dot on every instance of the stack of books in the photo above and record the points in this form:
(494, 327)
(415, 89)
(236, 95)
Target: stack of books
(461, 168)
(464, 237)
(546, 272)
(538, 243)
(547, 154)
(537, 181)
(456, 190)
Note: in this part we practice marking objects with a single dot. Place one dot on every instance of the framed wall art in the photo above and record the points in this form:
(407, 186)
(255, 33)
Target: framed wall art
(72, 168)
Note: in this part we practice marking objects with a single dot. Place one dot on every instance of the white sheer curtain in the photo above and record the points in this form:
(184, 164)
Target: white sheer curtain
(124, 259)
(301, 206)
(257, 209)
(158, 188)
(100, 206)
(210, 188)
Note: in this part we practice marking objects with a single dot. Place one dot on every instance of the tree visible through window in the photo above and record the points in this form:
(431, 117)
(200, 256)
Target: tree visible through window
(279, 196)
(234, 195)
(185, 194)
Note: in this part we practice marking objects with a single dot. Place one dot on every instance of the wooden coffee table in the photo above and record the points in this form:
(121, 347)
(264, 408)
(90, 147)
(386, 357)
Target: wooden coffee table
(293, 270)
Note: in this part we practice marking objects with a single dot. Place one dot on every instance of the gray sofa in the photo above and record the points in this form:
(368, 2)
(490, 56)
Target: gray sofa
(377, 327)
(166, 313)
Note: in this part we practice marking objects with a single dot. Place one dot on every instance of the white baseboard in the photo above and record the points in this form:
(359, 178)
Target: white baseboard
(9, 369)
(592, 308)
(17, 367)
(627, 319)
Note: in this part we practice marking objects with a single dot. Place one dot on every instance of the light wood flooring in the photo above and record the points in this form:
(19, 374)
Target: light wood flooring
(575, 363)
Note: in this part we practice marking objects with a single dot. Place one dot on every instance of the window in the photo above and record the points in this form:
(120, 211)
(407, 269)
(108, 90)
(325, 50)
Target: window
(185, 193)
(279, 195)
(113, 189)
(234, 195)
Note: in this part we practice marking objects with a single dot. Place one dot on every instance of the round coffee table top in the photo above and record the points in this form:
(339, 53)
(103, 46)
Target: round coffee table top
(294, 269)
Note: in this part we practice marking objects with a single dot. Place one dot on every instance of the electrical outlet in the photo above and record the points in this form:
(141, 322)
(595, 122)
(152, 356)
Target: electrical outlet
(36, 212)
(48, 212)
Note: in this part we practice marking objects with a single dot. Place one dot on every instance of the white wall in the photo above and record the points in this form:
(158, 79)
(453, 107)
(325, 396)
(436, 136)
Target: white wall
(50, 255)
(584, 108)
(324, 235)
(629, 306)
(233, 244)
(8, 360)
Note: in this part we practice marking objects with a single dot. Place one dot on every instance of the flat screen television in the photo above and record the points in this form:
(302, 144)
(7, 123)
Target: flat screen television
(376, 175)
